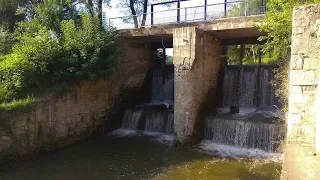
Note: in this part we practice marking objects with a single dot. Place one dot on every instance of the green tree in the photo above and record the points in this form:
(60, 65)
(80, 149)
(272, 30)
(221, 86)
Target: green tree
(136, 8)
(57, 44)
(278, 26)
(9, 15)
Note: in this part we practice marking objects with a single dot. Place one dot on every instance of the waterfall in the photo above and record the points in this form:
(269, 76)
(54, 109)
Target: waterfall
(248, 81)
(168, 88)
(248, 86)
(267, 90)
(157, 85)
(131, 119)
(162, 84)
(156, 116)
(153, 119)
(247, 134)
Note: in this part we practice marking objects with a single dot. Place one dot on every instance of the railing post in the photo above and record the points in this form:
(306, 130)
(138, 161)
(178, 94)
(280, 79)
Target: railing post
(178, 11)
(246, 8)
(205, 9)
(225, 8)
(151, 14)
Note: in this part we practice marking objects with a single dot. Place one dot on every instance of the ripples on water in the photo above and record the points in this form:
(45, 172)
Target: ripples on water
(127, 154)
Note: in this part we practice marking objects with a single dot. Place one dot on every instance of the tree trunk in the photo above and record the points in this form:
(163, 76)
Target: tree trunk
(90, 7)
(145, 9)
(100, 12)
(134, 14)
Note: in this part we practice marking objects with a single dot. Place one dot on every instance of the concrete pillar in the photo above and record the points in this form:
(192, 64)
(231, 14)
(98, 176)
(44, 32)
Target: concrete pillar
(197, 62)
(318, 120)
(301, 161)
(304, 67)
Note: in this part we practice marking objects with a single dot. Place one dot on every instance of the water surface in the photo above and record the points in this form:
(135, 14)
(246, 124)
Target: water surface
(136, 157)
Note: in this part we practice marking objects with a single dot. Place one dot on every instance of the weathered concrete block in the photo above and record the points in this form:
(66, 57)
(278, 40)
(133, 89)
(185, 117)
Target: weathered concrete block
(197, 63)
(296, 89)
(297, 62)
(304, 63)
(309, 89)
(311, 63)
(295, 118)
(303, 77)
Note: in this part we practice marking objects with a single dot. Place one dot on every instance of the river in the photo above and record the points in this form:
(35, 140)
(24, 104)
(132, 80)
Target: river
(137, 157)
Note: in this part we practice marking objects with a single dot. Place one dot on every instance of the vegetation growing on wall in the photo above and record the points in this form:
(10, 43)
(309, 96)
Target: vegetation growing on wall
(57, 42)
(278, 24)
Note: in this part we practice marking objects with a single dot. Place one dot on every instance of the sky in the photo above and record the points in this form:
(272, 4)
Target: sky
(112, 11)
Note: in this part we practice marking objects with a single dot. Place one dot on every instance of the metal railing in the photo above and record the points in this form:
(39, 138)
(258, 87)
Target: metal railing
(191, 14)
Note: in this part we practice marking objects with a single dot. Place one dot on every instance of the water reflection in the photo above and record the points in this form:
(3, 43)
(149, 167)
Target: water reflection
(135, 157)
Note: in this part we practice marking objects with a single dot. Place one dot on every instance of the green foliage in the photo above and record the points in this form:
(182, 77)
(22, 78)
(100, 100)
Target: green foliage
(250, 55)
(278, 25)
(169, 60)
(91, 52)
(16, 104)
(8, 13)
(56, 47)
(6, 42)
(250, 7)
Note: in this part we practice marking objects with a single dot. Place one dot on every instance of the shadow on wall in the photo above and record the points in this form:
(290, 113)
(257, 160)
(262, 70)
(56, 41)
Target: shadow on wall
(128, 97)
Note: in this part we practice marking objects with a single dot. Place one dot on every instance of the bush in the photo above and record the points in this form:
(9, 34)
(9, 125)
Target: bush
(16, 104)
(43, 58)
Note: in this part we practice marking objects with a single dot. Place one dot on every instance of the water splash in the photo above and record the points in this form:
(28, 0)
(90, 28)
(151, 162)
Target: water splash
(131, 118)
(245, 134)
(229, 151)
(149, 119)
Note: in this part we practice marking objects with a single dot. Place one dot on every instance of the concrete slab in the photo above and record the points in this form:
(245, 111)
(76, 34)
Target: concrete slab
(300, 163)
(224, 28)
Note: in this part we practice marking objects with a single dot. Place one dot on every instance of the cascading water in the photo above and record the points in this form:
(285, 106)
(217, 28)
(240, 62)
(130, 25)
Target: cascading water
(254, 127)
(247, 134)
(162, 84)
(148, 118)
(248, 87)
(156, 116)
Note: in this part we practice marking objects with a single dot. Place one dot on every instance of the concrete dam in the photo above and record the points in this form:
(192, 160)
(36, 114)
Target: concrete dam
(195, 115)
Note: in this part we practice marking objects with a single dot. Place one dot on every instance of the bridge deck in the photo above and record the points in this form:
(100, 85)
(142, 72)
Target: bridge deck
(239, 30)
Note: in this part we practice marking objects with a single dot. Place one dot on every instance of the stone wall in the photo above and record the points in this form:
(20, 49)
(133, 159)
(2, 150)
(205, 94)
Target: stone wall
(304, 72)
(197, 63)
(318, 120)
(62, 119)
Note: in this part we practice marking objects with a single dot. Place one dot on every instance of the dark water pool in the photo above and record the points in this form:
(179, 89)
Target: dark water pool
(135, 157)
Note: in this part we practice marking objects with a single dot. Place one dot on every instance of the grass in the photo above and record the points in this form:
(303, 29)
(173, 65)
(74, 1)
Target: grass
(16, 104)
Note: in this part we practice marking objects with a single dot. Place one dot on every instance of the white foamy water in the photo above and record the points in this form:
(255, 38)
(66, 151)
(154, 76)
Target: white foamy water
(155, 136)
(237, 152)
(123, 132)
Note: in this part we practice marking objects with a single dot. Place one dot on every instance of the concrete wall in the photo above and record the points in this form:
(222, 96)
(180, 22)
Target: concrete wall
(60, 120)
(197, 63)
(304, 72)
